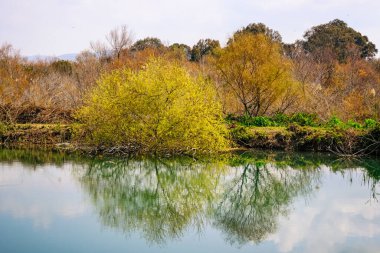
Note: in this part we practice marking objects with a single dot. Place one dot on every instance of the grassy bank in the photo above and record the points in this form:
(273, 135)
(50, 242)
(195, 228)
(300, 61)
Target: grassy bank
(39, 135)
(306, 138)
(291, 138)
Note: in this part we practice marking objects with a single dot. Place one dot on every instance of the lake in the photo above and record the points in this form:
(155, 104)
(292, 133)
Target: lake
(249, 202)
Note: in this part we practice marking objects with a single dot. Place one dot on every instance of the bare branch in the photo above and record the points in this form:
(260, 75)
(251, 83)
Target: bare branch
(119, 39)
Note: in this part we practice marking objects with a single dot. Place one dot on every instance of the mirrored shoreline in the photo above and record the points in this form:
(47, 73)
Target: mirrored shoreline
(275, 202)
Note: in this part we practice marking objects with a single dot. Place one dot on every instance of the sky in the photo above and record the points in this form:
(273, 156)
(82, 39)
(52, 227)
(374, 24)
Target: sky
(56, 27)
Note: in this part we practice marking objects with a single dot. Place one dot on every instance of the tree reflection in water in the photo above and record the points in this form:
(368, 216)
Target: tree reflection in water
(161, 198)
(242, 195)
(256, 196)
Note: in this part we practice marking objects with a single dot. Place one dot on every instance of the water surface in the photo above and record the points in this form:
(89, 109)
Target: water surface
(252, 202)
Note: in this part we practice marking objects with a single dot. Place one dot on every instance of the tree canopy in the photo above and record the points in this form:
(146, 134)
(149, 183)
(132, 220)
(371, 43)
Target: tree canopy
(182, 49)
(339, 38)
(158, 109)
(254, 70)
(149, 42)
(260, 28)
(204, 47)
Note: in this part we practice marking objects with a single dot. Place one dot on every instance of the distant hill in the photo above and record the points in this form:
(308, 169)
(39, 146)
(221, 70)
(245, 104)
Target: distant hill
(66, 57)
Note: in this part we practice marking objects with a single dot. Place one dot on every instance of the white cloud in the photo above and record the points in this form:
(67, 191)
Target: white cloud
(338, 213)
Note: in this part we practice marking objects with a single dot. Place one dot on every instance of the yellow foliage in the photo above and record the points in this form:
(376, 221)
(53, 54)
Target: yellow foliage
(158, 109)
(362, 73)
(355, 106)
(255, 72)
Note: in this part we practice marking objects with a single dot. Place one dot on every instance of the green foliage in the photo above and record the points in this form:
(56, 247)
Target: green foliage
(260, 28)
(302, 119)
(148, 42)
(182, 48)
(281, 119)
(305, 119)
(260, 121)
(354, 124)
(370, 123)
(335, 122)
(203, 48)
(159, 109)
(337, 38)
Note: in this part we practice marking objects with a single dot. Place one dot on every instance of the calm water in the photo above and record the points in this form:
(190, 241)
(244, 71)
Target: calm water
(267, 202)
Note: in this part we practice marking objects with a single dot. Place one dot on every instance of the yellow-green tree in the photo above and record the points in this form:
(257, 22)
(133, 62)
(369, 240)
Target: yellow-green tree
(160, 108)
(254, 70)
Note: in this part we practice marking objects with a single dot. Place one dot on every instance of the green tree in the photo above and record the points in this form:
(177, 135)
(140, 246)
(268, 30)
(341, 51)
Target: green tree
(338, 38)
(149, 42)
(253, 68)
(203, 48)
(158, 109)
(182, 49)
(260, 28)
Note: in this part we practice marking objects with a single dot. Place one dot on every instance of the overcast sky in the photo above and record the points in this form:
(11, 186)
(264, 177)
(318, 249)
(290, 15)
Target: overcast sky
(55, 27)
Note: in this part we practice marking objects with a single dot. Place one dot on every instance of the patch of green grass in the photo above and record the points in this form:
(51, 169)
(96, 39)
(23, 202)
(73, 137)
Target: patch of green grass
(301, 119)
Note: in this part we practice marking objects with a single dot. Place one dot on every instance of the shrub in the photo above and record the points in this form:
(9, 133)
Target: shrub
(354, 124)
(370, 123)
(281, 119)
(158, 109)
(335, 122)
(245, 120)
(260, 121)
(305, 119)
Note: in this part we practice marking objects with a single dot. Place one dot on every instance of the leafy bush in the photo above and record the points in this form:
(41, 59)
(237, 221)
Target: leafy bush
(335, 122)
(260, 121)
(370, 123)
(354, 124)
(245, 120)
(305, 119)
(158, 109)
(281, 119)
(302, 119)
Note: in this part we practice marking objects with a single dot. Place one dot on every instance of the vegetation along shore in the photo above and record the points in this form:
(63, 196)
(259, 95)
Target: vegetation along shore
(320, 93)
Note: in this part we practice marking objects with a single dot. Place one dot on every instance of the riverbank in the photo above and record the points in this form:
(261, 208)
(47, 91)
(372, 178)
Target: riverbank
(292, 138)
(36, 134)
